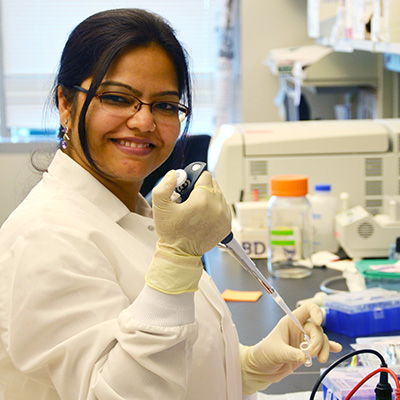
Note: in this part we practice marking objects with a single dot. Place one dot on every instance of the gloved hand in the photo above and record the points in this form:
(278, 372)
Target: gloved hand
(186, 231)
(278, 355)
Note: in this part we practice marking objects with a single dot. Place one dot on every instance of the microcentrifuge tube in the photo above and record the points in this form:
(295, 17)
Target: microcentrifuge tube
(305, 347)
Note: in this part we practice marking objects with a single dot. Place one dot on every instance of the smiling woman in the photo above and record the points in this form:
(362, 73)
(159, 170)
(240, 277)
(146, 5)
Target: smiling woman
(99, 292)
(126, 137)
(118, 299)
(108, 62)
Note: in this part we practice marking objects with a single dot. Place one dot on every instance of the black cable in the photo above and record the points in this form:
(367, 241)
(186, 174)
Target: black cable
(383, 390)
(339, 361)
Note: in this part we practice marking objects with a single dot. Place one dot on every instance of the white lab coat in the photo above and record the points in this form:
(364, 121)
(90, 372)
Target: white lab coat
(76, 318)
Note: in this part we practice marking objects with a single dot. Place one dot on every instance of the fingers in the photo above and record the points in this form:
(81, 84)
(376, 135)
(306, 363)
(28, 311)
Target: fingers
(321, 346)
(311, 316)
(205, 179)
(211, 187)
(307, 311)
(316, 334)
(206, 182)
(328, 347)
(323, 353)
(216, 186)
(163, 191)
(335, 347)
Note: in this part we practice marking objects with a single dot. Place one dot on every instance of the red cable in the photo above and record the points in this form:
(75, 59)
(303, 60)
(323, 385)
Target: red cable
(382, 369)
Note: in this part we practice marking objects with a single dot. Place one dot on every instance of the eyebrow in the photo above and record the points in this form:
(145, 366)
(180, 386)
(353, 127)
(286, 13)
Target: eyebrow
(137, 92)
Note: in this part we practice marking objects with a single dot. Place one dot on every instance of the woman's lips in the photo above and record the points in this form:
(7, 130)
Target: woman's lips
(134, 147)
(130, 143)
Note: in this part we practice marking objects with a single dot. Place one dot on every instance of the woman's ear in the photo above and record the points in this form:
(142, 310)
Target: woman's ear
(64, 107)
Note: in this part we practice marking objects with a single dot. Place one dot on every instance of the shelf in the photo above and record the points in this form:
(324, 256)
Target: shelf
(349, 45)
(363, 45)
(322, 66)
(391, 48)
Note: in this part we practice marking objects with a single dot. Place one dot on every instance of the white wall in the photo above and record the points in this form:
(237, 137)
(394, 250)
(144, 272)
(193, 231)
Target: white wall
(265, 25)
(17, 176)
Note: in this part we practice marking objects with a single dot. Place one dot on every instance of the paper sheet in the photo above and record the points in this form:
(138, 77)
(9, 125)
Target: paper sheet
(240, 295)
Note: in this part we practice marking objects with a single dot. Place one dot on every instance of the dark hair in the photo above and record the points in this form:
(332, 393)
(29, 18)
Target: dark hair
(98, 40)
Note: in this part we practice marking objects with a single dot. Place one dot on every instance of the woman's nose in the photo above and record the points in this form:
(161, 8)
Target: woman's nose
(143, 119)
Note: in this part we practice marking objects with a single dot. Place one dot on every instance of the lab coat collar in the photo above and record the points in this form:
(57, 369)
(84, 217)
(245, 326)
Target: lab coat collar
(77, 178)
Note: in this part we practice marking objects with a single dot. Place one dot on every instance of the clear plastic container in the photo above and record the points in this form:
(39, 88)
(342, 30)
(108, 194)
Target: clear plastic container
(341, 380)
(289, 227)
(324, 209)
(379, 273)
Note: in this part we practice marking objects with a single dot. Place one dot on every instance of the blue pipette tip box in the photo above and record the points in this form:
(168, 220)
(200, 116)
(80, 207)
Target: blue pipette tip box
(363, 313)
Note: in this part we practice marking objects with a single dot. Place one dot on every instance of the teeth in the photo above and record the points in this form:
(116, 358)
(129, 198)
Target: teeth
(132, 144)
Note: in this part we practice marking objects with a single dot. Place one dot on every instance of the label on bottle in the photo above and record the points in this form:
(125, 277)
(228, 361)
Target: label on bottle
(286, 242)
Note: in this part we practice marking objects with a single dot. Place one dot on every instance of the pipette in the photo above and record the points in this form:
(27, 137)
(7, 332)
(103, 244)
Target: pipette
(236, 250)
(185, 182)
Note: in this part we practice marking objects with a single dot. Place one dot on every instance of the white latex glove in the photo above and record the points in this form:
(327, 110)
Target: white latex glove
(186, 231)
(278, 355)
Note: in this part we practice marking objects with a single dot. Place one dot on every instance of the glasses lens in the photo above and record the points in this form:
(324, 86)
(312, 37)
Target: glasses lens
(167, 111)
(183, 112)
(119, 104)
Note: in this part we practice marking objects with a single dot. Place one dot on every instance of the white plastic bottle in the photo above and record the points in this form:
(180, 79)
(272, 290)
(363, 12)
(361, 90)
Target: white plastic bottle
(324, 207)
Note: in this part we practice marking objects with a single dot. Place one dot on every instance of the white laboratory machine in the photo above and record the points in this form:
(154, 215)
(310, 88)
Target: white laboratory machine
(363, 235)
(357, 157)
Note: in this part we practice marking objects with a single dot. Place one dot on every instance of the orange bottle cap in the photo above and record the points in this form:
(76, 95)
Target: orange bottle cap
(289, 185)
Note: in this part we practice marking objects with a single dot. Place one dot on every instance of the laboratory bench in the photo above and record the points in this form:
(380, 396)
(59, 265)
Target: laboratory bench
(254, 320)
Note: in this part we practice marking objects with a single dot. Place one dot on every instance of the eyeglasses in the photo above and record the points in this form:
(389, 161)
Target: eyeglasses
(126, 105)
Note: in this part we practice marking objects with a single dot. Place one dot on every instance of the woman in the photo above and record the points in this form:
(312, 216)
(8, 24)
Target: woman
(100, 298)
